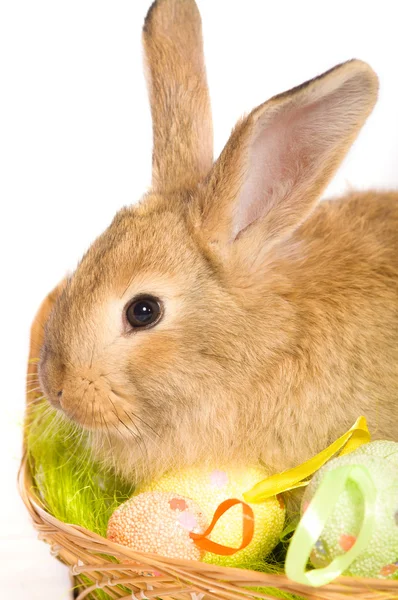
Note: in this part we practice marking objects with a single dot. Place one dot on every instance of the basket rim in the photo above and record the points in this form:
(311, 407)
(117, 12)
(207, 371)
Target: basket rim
(41, 516)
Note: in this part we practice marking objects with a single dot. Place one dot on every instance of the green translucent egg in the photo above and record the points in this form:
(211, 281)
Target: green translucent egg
(383, 449)
(380, 559)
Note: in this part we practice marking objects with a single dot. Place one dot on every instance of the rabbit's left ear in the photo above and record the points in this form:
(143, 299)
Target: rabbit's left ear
(280, 158)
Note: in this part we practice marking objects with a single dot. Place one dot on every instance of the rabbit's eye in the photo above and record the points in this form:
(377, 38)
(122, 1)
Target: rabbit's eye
(144, 311)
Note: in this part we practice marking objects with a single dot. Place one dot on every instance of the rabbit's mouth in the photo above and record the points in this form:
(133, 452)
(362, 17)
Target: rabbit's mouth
(88, 399)
(84, 401)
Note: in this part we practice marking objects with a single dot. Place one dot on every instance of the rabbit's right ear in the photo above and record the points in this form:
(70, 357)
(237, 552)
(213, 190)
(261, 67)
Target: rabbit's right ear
(278, 160)
(178, 93)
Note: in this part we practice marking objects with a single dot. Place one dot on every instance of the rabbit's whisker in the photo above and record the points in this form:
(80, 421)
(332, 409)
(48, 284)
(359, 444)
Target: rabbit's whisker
(136, 436)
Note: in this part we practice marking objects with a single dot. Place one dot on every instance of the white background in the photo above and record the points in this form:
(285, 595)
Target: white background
(75, 145)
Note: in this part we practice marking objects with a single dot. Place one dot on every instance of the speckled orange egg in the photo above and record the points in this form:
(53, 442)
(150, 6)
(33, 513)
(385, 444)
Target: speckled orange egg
(158, 523)
(211, 486)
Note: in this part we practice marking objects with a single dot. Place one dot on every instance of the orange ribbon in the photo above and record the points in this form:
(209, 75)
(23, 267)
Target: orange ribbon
(202, 541)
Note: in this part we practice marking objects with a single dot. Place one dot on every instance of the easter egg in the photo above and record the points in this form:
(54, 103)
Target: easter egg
(158, 523)
(209, 488)
(383, 449)
(380, 557)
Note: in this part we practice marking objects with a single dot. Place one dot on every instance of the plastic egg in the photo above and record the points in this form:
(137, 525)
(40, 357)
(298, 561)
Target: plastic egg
(383, 449)
(208, 488)
(380, 557)
(158, 523)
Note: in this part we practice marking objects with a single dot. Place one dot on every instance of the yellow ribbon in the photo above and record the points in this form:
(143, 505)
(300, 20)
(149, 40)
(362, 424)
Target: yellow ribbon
(297, 477)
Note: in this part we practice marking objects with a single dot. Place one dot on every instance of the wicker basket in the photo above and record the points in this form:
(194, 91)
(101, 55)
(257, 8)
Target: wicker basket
(139, 576)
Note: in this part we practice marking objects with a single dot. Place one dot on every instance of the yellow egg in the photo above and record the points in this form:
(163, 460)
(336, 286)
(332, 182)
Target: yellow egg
(208, 487)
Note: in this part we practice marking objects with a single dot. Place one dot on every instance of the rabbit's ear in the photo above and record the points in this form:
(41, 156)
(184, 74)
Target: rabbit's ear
(280, 158)
(178, 93)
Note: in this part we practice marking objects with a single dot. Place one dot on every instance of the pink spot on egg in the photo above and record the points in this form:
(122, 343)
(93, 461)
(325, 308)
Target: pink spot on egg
(347, 541)
(219, 479)
(178, 504)
(187, 520)
(388, 570)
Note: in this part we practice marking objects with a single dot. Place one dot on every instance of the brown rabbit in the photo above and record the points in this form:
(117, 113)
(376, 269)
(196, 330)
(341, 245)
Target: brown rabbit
(230, 316)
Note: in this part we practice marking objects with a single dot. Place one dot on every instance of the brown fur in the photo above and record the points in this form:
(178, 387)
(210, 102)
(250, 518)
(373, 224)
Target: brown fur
(281, 316)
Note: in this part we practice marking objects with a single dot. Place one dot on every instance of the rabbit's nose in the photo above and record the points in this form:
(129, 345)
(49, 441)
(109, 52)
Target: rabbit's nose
(51, 374)
(55, 399)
